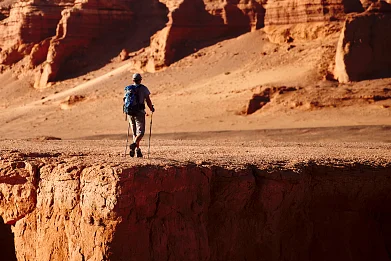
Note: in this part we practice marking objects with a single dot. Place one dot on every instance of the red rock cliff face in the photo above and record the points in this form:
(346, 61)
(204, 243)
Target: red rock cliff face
(61, 210)
(192, 23)
(363, 48)
(78, 26)
(28, 23)
(53, 35)
(50, 32)
(302, 11)
(306, 20)
(62, 29)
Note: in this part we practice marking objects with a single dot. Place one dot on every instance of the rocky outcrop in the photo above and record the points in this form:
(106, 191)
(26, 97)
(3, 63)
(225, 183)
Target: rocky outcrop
(29, 23)
(63, 209)
(193, 23)
(51, 32)
(306, 20)
(363, 49)
(39, 53)
(70, 26)
(283, 12)
(55, 35)
(18, 190)
(78, 26)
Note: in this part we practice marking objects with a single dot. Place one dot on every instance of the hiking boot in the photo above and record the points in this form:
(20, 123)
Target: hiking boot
(132, 148)
(139, 154)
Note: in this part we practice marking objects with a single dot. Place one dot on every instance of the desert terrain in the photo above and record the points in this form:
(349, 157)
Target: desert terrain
(270, 139)
(208, 91)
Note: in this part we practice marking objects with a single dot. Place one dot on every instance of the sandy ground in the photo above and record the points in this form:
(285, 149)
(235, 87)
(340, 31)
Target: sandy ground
(227, 154)
(205, 96)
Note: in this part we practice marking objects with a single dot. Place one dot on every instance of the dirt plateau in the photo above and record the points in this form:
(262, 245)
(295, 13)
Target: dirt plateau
(272, 202)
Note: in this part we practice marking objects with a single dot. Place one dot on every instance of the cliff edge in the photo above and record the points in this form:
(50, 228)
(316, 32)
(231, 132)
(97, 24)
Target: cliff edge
(302, 201)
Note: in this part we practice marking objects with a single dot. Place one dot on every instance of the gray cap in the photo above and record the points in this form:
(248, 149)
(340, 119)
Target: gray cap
(137, 77)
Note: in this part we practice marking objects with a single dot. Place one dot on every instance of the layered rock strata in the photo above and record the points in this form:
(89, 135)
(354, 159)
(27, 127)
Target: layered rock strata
(70, 26)
(306, 20)
(28, 23)
(363, 49)
(67, 210)
(283, 12)
(193, 23)
(78, 26)
(55, 34)
(52, 32)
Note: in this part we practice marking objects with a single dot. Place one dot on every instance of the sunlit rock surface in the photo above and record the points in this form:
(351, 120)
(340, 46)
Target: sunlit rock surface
(52, 37)
(91, 203)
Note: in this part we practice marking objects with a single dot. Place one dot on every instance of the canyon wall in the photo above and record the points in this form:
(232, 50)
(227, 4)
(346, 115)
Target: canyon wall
(53, 34)
(363, 49)
(65, 209)
(52, 37)
(78, 26)
(195, 23)
(28, 23)
(306, 20)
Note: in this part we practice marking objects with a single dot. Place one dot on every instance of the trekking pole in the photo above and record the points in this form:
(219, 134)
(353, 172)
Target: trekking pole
(127, 139)
(150, 134)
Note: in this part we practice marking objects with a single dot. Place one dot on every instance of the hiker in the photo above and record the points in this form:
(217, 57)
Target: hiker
(134, 98)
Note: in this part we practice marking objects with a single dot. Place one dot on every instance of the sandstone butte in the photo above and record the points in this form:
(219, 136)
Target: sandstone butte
(325, 201)
(48, 34)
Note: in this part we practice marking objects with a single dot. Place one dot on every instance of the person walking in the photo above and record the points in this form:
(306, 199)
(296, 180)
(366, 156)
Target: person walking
(135, 97)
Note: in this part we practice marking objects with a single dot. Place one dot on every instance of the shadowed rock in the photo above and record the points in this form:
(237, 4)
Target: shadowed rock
(363, 49)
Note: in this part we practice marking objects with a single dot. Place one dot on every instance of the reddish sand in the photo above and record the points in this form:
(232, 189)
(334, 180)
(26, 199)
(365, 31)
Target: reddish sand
(205, 93)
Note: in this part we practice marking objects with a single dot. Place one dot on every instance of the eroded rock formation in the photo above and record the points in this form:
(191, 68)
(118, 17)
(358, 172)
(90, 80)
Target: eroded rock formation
(62, 209)
(78, 26)
(29, 23)
(306, 20)
(51, 32)
(283, 12)
(363, 49)
(56, 32)
(54, 35)
(18, 190)
(193, 23)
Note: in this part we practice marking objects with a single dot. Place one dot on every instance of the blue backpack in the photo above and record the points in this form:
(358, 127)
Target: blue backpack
(131, 103)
